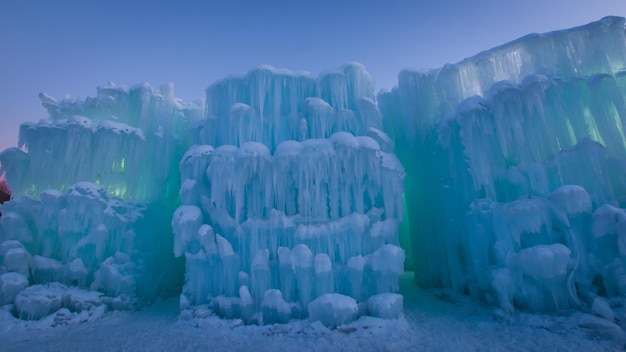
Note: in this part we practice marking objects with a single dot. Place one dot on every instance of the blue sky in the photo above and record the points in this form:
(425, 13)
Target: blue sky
(71, 46)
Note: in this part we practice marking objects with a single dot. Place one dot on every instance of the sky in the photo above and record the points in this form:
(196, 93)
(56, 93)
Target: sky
(70, 47)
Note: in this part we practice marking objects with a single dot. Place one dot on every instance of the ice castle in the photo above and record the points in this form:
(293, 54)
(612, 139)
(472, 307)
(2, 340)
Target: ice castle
(281, 195)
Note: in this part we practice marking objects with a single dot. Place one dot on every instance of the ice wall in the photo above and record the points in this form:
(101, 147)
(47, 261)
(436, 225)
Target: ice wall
(292, 195)
(288, 205)
(299, 170)
(127, 140)
(80, 237)
(270, 106)
(423, 96)
(319, 216)
(123, 148)
(512, 157)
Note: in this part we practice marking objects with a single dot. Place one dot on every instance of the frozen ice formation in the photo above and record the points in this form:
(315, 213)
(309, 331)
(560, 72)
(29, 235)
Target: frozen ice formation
(293, 200)
(287, 194)
(282, 144)
(38, 301)
(318, 216)
(138, 135)
(333, 309)
(515, 164)
(385, 305)
(423, 96)
(94, 186)
(81, 237)
(11, 284)
(286, 189)
(271, 106)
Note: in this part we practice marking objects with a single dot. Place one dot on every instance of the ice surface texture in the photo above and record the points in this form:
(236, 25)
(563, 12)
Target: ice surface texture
(511, 156)
(127, 140)
(79, 237)
(291, 191)
(94, 185)
(303, 172)
(300, 208)
(271, 106)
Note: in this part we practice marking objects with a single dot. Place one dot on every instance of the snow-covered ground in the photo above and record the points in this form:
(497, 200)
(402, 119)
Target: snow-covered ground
(433, 321)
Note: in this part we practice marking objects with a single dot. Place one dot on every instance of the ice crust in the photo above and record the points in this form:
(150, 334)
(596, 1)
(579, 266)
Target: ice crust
(292, 193)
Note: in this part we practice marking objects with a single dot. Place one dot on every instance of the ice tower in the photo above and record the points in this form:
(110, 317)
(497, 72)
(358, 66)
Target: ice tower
(515, 161)
(292, 194)
(289, 191)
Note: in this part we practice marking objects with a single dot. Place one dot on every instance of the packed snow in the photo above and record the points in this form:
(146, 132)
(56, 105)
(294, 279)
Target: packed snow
(431, 321)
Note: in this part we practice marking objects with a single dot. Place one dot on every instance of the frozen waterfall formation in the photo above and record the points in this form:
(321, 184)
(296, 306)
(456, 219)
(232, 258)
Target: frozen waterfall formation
(516, 164)
(285, 211)
(291, 197)
(95, 185)
(285, 196)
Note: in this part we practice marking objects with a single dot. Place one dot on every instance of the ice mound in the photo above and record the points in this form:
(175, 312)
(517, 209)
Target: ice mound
(78, 300)
(15, 258)
(274, 308)
(38, 301)
(293, 222)
(48, 269)
(114, 276)
(385, 305)
(509, 153)
(81, 237)
(10, 285)
(333, 309)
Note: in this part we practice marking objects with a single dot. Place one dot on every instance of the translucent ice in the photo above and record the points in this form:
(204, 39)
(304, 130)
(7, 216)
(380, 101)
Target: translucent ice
(274, 308)
(292, 220)
(80, 237)
(271, 106)
(15, 258)
(509, 153)
(37, 301)
(333, 309)
(10, 285)
(292, 188)
(385, 305)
